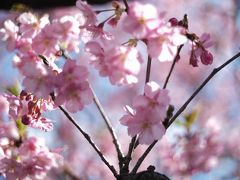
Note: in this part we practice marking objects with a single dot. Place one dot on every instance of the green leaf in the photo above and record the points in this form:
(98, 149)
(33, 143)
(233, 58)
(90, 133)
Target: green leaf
(15, 90)
(190, 119)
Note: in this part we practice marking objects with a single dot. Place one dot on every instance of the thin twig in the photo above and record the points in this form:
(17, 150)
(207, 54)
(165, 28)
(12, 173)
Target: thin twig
(109, 126)
(148, 69)
(210, 76)
(140, 160)
(87, 137)
(173, 65)
(126, 5)
(106, 120)
(104, 10)
(128, 157)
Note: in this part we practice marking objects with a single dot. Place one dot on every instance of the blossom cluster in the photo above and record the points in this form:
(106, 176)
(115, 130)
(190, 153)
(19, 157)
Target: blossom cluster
(192, 152)
(146, 117)
(41, 44)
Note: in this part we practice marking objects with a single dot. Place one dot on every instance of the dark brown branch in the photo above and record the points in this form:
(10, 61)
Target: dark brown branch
(210, 76)
(172, 67)
(126, 5)
(87, 137)
(109, 126)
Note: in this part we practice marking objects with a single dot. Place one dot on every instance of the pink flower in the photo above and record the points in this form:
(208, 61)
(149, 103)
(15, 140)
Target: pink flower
(121, 64)
(39, 79)
(143, 123)
(33, 162)
(146, 119)
(9, 34)
(9, 131)
(154, 98)
(72, 87)
(88, 13)
(45, 43)
(164, 43)
(94, 32)
(30, 25)
(4, 105)
(67, 31)
(142, 19)
(191, 154)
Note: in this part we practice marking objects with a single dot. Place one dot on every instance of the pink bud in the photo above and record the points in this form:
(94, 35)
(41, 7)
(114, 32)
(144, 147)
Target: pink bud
(206, 57)
(23, 94)
(193, 59)
(26, 119)
(173, 21)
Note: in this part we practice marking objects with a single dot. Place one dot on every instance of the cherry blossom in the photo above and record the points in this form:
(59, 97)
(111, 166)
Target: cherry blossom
(72, 87)
(164, 44)
(4, 105)
(146, 119)
(9, 34)
(154, 98)
(182, 158)
(30, 25)
(45, 43)
(34, 160)
(121, 64)
(88, 13)
(142, 19)
(39, 79)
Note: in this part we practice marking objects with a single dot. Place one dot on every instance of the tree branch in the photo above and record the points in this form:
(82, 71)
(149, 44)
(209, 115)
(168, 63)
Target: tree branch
(173, 65)
(87, 137)
(210, 76)
(109, 126)
(126, 5)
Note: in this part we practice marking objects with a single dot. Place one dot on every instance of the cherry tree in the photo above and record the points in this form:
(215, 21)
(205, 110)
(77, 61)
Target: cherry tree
(142, 62)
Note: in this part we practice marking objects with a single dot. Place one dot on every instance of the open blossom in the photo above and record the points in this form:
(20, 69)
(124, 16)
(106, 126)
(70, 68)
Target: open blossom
(9, 34)
(45, 42)
(154, 98)
(199, 49)
(164, 43)
(121, 64)
(146, 119)
(39, 79)
(144, 123)
(9, 131)
(142, 19)
(30, 25)
(67, 31)
(88, 13)
(34, 160)
(4, 105)
(191, 153)
(72, 87)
